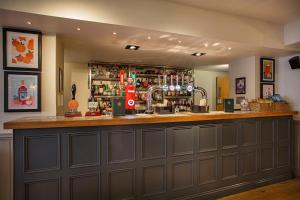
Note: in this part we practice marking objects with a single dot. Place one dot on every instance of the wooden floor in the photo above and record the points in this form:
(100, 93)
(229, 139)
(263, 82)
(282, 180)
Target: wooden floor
(287, 190)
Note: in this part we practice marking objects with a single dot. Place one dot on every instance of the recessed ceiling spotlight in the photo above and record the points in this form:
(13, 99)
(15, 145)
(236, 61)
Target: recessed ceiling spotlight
(28, 22)
(206, 44)
(164, 36)
(114, 33)
(215, 44)
(198, 54)
(132, 47)
(149, 37)
(229, 48)
(78, 29)
(179, 41)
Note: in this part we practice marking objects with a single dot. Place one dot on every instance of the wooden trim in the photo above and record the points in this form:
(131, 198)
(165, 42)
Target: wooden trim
(60, 122)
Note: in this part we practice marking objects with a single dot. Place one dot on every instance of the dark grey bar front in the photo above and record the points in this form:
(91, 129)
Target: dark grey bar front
(199, 160)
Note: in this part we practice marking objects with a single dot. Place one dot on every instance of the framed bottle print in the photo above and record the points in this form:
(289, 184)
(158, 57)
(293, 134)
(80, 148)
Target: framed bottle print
(266, 90)
(22, 50)
(267, 70)
(22, 92)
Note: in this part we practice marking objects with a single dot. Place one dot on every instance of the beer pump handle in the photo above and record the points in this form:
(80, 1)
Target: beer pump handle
(159, 80)
(73, 91)
(93, 92)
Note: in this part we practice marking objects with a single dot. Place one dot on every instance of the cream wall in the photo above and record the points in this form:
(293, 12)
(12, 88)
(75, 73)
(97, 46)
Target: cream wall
(48, 77)
(48, 88)
(207, 80)
(77, 73)
(245, 67)
(289, 82)
(59, 65)
(159, 15)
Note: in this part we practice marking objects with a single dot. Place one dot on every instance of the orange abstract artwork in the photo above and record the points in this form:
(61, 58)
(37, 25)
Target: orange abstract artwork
(23, 50)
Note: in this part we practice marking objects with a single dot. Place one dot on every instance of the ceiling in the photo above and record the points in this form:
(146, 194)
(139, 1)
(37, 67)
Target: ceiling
(277, 11)
(96, 41)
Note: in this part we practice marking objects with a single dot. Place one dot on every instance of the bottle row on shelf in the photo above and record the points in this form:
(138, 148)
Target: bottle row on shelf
(109, 82)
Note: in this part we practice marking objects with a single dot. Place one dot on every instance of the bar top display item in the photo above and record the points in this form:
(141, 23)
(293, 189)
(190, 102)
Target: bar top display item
(130, 97)
(228, 105)
(93, 105)
(73, 105)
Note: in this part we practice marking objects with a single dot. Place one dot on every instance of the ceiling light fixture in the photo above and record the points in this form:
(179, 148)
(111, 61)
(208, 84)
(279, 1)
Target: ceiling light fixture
(114, 33)
(215, 44)
(164, 36)
(149, 37)
(229, 48)
(206, 44)
(78, 29)
(198, 54)
(132, 47)
(179, 41)
(28, 22)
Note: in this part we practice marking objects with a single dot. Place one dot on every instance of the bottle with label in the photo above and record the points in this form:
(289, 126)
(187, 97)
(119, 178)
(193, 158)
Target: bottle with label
(22, 93)
(100, 89)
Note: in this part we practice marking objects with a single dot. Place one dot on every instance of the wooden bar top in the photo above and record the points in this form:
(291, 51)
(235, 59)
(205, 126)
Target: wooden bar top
(60, 121)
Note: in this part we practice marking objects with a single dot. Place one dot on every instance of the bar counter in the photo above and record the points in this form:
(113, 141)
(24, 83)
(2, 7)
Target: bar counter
(60, 121)
(181, 156)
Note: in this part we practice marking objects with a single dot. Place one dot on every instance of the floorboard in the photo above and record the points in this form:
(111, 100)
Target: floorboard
(287, 190)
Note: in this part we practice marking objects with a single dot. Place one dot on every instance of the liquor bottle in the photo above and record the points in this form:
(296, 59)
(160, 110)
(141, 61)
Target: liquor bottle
(118, 90)
(100, 89)
(22, 93)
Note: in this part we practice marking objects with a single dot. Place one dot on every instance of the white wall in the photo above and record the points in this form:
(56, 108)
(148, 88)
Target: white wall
(245, 67)
(292, 32)
(289, 82)
(77, 73)
(207, 80)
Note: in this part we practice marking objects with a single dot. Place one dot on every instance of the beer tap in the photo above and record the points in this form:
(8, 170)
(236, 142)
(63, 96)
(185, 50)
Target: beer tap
(177, 87)
(172, 87)
(152, 89)
(165, 87)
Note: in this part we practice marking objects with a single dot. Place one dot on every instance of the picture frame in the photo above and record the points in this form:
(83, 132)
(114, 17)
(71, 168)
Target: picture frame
(22, 50)
(267, 70)
(22, 91)
(266, 90)
(240, 85)
(238, 100)
(60, 80)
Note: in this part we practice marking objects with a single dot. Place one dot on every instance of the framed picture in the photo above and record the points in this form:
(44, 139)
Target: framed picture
(240, 85)
(267, 70)
(266, 90)
(238, 100)
(22, 92)
(22, 50)
(60, 80)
